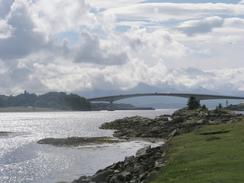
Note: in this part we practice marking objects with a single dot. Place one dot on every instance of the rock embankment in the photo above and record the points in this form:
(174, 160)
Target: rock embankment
(183, 121)
(238, 107)
(202, 116)
(134, 169)
(77, 141)
(137, 126)
(137, 169)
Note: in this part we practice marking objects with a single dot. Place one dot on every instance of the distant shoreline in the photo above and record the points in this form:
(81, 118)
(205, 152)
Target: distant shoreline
(40, 109)
(27, 109)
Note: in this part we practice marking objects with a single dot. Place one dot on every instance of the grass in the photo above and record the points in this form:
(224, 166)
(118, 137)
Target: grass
(213, 158)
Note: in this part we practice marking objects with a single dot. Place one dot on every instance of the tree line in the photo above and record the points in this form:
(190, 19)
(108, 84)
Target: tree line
(54, 100)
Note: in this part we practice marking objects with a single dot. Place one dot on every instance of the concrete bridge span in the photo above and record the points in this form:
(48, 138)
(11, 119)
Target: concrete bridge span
(198, 97)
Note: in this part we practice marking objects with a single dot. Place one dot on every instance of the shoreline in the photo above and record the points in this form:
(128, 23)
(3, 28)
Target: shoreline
(40, 109)
(27, 109)
(148, 161)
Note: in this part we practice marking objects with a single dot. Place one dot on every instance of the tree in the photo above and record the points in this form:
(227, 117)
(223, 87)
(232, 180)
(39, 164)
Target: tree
(219, 107)
(204, 107)
(193, 103)
(75, 102)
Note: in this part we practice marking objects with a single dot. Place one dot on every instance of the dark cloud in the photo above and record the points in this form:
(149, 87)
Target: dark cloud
(206, 25)
(90, 51)
(24, 39)
(20, 79)
(5, 6)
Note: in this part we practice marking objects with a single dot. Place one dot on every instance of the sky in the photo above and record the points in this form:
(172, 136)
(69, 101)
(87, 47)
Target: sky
(88, 45)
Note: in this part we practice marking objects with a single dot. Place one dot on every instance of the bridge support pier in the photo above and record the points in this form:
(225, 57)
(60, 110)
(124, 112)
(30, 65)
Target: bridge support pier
(110, 107)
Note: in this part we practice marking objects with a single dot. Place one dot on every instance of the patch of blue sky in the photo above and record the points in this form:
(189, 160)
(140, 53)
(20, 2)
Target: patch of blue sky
(122, 28)
(96, 10)
(71, 36)
(193, 1)
(127, 25)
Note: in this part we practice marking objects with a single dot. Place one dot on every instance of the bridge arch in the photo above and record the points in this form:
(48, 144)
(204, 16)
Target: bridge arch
(198, 97)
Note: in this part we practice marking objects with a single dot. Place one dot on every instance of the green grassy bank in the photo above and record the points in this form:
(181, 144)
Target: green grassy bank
(206, 157)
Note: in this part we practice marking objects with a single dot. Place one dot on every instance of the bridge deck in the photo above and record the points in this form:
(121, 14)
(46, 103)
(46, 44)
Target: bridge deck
(183, 95)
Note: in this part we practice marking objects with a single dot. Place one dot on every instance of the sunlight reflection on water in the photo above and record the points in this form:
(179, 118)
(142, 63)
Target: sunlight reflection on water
(24, 161)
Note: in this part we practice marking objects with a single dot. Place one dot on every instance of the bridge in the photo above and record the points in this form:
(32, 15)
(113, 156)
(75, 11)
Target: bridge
(198, 97)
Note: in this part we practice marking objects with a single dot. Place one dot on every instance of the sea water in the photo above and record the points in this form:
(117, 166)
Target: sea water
(22, 160)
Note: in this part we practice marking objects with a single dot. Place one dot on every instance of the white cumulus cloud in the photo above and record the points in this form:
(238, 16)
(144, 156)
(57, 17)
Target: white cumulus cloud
(83, 45)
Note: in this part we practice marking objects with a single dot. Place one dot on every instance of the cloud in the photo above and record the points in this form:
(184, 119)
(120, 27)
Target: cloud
(90, 50)
(5, 30)
(21, 38)
(234, 22)
(61, 16)
(107, 4)
(80, 45)
(5, 7)
(15, 79)
(206, 25)
(81, 78)
(161, 13)
(153, 46)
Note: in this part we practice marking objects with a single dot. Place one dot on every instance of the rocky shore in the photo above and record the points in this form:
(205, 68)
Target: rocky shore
(238, 107)
(134, 169)
(4, 134)
(146, 162)
(182, 121)
(77, 141)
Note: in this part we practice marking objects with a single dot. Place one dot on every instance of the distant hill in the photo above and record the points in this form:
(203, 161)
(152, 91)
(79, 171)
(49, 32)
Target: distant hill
(52, 100)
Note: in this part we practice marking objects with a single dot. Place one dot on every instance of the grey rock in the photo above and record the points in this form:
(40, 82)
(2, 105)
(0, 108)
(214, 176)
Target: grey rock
(143, 151)
(102, 176)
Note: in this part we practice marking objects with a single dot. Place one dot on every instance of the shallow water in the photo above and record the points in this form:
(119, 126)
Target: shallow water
(22, 160)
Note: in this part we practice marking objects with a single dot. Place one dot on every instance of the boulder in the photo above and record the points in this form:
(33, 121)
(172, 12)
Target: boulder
(102, 176)
(143, 151)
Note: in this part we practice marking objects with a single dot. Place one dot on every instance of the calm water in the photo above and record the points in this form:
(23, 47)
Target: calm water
(22, 160)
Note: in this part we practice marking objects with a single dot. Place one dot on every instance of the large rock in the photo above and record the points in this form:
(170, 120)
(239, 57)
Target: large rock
(143, 151)
(102, 176)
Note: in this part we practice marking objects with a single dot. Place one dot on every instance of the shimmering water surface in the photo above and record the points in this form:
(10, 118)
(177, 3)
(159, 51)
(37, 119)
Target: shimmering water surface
(22, 160)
